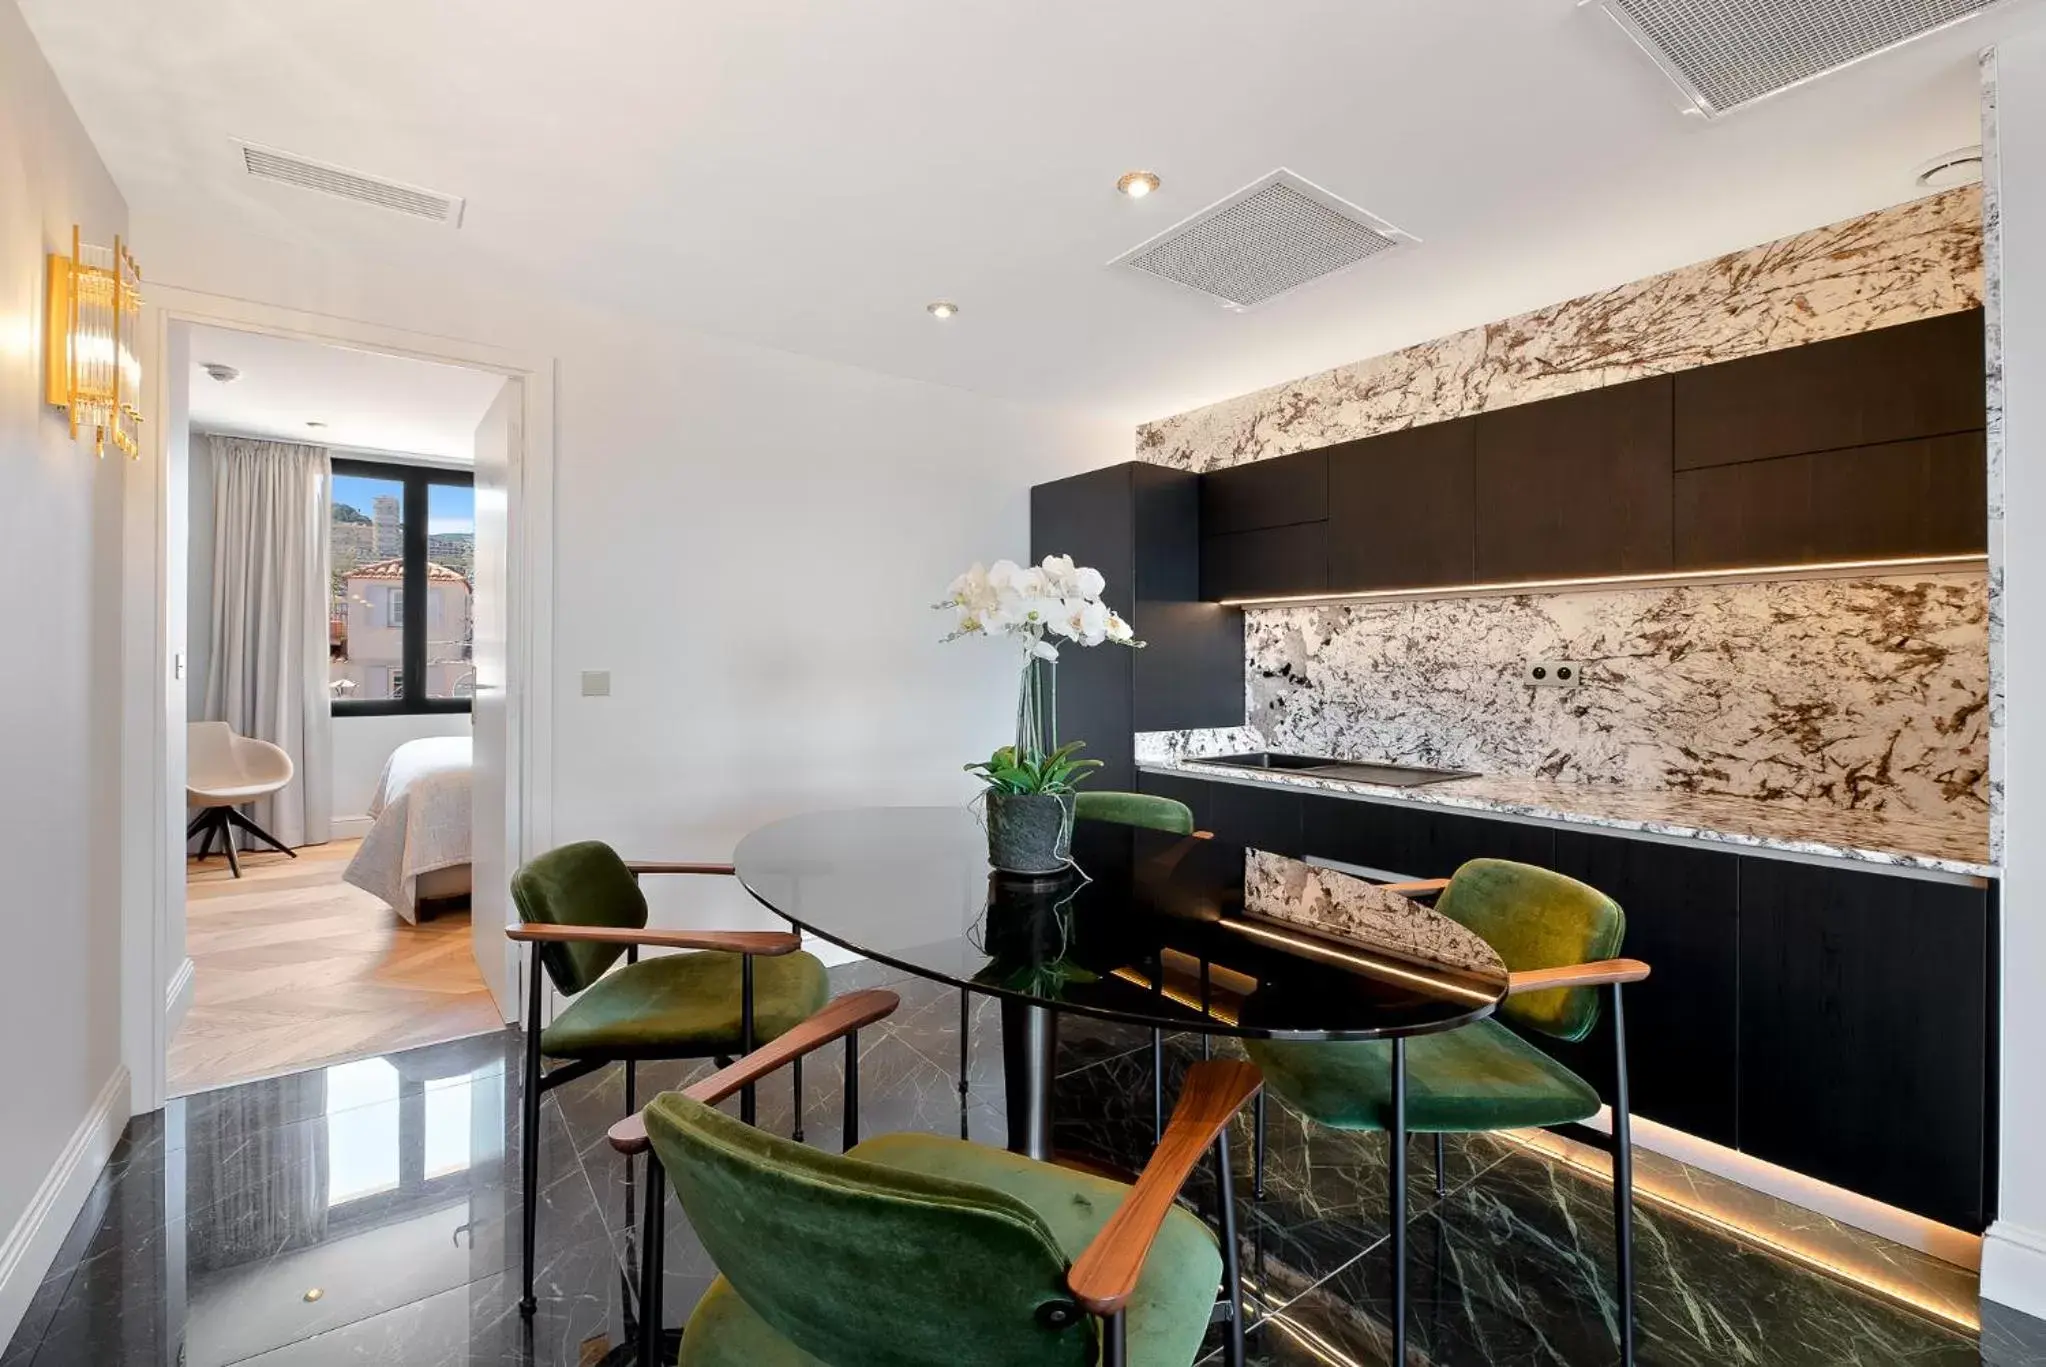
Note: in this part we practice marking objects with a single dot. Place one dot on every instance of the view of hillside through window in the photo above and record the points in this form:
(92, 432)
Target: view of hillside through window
(367, 609)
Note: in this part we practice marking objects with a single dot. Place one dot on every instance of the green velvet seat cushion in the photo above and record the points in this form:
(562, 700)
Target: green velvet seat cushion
(685, 1006)
(1537, 918)
(1477, 1077)
(1136, 809)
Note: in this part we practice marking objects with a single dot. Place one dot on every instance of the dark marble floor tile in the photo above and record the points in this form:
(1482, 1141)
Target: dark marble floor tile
(583, 1311)
(1518, 1268)
(2011, 1338)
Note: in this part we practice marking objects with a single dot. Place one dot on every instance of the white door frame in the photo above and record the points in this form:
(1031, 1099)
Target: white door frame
(154, 971)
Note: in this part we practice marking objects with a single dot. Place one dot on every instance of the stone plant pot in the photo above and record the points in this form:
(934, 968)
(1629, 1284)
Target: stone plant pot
(1029, 833)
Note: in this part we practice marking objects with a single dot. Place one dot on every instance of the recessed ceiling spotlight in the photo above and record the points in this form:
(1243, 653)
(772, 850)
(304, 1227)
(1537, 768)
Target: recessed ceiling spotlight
(222, 372)
(941, 308)
(1962, 166)
(315, 423)
(1137, 184)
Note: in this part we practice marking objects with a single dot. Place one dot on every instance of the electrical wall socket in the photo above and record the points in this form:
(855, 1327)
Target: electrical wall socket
(1552, 673)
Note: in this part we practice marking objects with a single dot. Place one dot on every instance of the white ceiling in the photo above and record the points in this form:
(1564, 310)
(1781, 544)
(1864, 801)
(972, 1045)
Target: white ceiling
(368, 400)
(807, 174)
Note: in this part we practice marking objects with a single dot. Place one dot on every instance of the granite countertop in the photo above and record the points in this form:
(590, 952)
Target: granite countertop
(1958, 846)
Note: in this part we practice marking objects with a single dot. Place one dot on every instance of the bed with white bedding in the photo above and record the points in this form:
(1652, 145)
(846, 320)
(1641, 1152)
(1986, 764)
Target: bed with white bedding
(418, 844)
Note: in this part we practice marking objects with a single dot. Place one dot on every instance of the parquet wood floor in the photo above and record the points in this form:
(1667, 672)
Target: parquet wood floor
(296, 968)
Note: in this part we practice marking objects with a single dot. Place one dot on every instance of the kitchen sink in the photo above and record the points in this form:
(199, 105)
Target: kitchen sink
(1385, 775)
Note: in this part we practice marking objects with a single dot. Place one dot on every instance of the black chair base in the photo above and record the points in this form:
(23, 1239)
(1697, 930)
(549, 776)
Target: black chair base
(224, 822)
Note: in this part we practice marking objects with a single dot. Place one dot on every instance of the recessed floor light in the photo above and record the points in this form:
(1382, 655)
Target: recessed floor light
(941, 308)
(1137, 184)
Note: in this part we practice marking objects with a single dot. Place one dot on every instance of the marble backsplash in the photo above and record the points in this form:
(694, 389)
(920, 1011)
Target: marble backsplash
(1869, 694)
(1897, 265)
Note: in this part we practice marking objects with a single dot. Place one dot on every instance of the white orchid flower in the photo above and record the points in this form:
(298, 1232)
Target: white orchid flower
(1002, 575)
(1119, 630)
(1044, 650)
(1087, 583)
(1058, 572)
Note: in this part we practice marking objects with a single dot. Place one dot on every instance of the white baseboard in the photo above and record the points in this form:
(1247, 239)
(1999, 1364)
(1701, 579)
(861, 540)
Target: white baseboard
(2014, 1267)
(348, 827)
(177, 998)
(31, 1246)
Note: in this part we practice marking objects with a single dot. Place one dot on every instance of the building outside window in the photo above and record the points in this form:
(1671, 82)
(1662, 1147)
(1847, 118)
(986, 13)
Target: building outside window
(401, 622)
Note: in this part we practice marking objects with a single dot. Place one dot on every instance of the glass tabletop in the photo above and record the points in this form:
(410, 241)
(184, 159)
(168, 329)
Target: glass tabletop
(1158, 930)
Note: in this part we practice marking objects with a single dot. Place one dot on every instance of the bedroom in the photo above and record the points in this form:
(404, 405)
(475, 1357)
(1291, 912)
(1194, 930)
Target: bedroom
(333, 592)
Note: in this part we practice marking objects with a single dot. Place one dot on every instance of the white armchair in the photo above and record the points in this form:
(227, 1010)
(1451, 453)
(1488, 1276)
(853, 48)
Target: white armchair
(223, 771)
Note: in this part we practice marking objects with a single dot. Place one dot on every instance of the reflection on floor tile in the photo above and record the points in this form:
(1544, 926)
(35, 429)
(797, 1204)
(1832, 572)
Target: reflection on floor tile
(370, 1213)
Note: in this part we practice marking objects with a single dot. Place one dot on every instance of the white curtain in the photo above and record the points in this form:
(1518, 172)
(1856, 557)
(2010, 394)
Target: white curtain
(267, 677)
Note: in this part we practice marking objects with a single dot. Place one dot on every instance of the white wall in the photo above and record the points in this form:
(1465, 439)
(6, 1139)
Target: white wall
(2014, 1255)
(197, 558)
(749, 542)
(60, 706)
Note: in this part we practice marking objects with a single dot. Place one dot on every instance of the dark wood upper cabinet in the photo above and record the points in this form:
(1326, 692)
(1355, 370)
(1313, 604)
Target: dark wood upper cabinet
(1922, 379)
(1925, 497)
(1139, 525)
(1578, 485)
(1265, 493)
(1270, 563)
(1400, 508)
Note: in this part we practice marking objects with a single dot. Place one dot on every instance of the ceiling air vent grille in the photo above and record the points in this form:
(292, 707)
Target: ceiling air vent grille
(1272, 235)
(1727, 53)
(288, 168)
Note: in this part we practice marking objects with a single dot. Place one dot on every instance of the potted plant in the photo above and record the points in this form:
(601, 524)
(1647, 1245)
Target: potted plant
(1030, 784)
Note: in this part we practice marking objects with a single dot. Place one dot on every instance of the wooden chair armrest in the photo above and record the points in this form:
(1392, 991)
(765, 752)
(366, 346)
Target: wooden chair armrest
(1418, 887)
(639, 866)
(1204, 835)
(767, 943)
(840, 1017)
(1576, 975)
(1105, 1274)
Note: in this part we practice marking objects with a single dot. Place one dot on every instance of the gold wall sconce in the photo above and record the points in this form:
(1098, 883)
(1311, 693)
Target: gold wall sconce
(95, 313)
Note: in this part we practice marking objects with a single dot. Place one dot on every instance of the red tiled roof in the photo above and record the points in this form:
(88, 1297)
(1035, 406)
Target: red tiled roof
(395, 569)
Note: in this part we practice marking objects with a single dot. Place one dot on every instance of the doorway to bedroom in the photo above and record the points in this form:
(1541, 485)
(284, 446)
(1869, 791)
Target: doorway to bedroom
(343, 606)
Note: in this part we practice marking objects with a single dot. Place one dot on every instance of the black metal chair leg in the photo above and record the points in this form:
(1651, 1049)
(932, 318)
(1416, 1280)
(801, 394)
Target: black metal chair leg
(746, 1097)
(1158, 1087)
(1399, 1200)
(1115, 1341)
(1623, 1182)
(236, 819)
(529, 1137)
(234, 863)
(652, 1254)
(850, 1130)
(1441, 1181)
(1232, 1271)
(1257, 1148)
(208, 828)
(631, 1087)
(204, 818)
(965, 1036)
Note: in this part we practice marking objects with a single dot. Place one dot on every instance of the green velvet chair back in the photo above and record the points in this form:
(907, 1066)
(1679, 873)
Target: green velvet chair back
(1136, 809)
(584, 884)
(1536, 918)
(868, 1266)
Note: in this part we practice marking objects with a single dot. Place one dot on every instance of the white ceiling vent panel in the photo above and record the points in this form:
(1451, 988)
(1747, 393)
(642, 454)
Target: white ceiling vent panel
(1727, 53)
(1276, 233)
(288, 168)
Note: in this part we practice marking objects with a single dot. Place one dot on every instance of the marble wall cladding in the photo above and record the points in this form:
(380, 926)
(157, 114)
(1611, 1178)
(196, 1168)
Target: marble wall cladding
(1900, 264)
(1856, 693)
(1992, 310)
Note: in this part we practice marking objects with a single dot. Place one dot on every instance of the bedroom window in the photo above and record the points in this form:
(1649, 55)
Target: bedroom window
(402, 553)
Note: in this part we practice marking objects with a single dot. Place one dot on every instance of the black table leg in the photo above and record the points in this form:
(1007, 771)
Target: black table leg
(1029, 1050)
(1398, 1178)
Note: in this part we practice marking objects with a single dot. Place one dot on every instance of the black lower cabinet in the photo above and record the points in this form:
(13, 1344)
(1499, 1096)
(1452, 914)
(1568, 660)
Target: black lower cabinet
(1682, 906)
(1864, 1034)
(1412, 842)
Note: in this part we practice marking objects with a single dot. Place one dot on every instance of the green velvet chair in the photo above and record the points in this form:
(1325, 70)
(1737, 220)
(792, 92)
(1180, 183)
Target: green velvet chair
(581, 908)
(916, 1250)
(1557, 937)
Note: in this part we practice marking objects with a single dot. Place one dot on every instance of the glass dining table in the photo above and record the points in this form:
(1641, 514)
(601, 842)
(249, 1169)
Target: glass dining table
(1166, 932)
